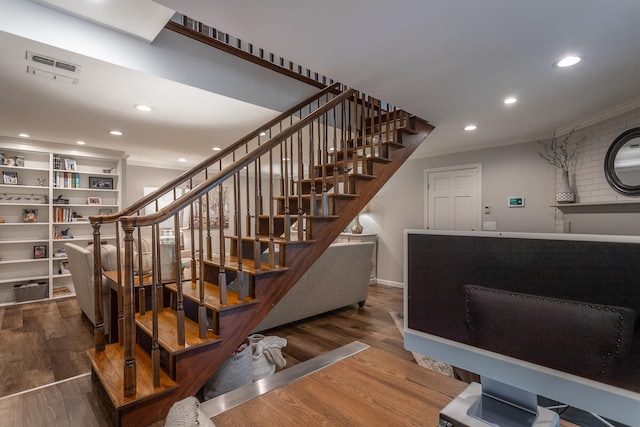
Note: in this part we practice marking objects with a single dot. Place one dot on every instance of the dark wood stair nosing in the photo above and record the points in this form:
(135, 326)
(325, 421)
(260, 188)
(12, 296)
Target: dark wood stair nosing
(212, 290)
(173, 348)
(114, 355)
(247, 268)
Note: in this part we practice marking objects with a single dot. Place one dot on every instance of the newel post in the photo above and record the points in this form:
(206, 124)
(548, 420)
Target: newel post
(129, 315)
(98, 307)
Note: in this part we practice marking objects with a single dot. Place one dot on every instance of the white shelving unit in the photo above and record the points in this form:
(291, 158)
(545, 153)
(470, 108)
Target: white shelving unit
(32, 199)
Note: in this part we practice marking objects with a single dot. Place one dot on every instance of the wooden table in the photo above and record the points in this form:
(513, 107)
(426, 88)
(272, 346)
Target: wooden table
(369, 388)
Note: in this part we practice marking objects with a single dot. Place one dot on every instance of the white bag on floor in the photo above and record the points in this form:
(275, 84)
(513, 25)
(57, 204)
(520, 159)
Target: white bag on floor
(266, 355)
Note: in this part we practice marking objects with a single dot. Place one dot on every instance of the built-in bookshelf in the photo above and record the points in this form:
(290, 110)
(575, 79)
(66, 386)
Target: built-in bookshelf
(46, 197)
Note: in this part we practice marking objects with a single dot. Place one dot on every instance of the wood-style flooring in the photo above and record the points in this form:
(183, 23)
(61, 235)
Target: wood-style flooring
(44, 371)
(41, 343)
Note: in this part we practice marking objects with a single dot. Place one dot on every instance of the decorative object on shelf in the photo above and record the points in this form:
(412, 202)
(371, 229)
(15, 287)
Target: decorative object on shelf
(100, 183)
(562, 155)
(61, 201)
(94, 201)
(105, 212)
(356, 228)
(70, 165)
(39, 251)
(66, 234)
(29, 199)
(10, 177)
(42, 181)
(75, 217)
(60, 253)
(64, 267)
(2, 158)
(107, 170)
(19, 160)
(29, 215)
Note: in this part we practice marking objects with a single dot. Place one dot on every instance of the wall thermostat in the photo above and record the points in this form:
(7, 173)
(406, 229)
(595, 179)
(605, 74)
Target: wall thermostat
(515, 202)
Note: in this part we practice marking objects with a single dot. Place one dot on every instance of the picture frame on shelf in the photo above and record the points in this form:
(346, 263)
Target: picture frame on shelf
(70, 165)
(29, 215)
(9, 177)
(105, 212)
(94, 201)
(100, 183)
(39, 251)
(64, 267)
(19, 161)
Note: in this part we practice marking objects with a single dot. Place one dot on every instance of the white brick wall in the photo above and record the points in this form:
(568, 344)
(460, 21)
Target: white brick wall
(589, 181)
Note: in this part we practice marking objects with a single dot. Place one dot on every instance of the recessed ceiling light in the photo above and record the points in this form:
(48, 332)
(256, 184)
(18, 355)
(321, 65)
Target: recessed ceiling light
(217, 149)
(510, 100)
(80, 142)
(142, 107)
(115, 132)
(568, 61)
(23, 135)
(182, 160)
(470, 127)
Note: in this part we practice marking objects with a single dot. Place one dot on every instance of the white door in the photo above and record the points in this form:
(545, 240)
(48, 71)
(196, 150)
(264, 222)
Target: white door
(452, 198)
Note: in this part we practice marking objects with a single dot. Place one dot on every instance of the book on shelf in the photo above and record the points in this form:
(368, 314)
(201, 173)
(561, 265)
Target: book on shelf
(66, 179)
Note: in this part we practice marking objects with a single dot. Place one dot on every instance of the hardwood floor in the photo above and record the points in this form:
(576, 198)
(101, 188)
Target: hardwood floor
(42, 343)
(44, 371)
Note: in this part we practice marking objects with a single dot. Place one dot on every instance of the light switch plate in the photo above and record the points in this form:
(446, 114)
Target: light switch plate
(489, 225)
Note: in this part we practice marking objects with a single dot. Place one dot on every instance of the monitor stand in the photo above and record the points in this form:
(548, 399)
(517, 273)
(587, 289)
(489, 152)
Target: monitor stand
(482, 406)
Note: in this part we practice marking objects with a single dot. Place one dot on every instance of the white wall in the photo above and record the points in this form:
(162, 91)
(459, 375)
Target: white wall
(514, 170)
(139, 177)
(591, 185)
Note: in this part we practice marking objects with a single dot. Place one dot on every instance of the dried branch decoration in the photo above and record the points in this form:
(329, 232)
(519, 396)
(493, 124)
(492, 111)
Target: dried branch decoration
(561, 154)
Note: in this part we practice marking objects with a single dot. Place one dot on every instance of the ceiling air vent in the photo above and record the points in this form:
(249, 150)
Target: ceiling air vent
(53, 62)
(43, 60)
(65, 66)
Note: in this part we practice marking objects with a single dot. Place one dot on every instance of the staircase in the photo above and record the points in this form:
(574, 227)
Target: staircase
(257, 214)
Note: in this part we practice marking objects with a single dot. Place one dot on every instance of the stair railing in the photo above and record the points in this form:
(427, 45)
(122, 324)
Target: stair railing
(321, 143)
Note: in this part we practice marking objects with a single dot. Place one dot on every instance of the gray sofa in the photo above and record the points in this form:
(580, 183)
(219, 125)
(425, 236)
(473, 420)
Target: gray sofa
(340, 277)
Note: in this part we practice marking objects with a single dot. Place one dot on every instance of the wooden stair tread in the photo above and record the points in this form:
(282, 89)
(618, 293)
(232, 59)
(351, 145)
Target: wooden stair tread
(366, 146)
(318, 196)
(211, 296)
(276, 240)
(340, 177)
(341, 163)
(109, 367)
(305, 216)
(167, 336)
(231, 263)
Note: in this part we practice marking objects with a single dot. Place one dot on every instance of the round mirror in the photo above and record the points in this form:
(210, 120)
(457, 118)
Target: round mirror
(622, 163)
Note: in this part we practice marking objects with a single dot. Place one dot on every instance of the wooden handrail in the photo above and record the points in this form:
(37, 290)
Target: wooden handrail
(247, 56)
(203, 188)
(186, 176)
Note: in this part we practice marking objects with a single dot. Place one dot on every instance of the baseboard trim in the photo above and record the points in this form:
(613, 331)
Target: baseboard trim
(390, 283)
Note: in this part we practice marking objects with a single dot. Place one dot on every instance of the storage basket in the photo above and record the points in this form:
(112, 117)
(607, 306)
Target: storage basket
(31, 291)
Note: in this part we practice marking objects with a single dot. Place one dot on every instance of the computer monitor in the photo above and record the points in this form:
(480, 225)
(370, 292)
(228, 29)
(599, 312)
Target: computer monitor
(441, 267)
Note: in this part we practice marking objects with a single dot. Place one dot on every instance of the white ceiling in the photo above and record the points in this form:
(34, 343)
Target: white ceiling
(451, 62)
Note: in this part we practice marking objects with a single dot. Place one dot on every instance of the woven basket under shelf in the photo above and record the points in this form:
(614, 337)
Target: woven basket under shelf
(31, 292)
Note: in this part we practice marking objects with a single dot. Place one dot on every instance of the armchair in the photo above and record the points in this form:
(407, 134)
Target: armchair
(81, 269)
